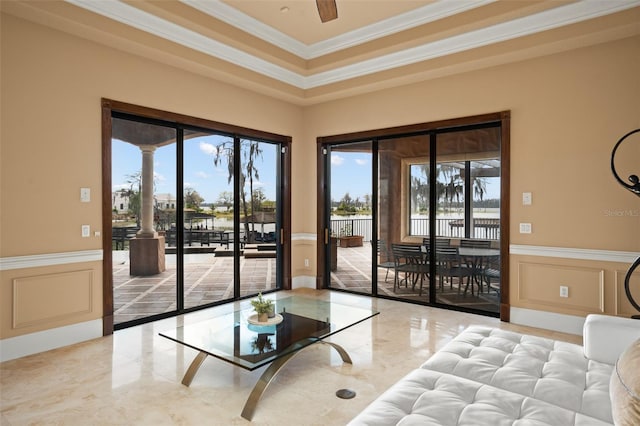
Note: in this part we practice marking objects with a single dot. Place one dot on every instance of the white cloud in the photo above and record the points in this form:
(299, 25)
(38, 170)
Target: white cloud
(336, 160)
(207, 148)
(202, 175)
(119, 186)
(361, 162)
(158, 177)
(256, 184)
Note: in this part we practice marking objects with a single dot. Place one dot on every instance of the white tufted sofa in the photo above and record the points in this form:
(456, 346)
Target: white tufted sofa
(488, 376)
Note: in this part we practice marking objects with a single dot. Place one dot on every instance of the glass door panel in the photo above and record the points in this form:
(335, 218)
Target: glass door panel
(197, 214)
(467, 213)
(350, 192)
(143, 172)
(208, 225)
(259, 216)
(436, 214)
(403, 217)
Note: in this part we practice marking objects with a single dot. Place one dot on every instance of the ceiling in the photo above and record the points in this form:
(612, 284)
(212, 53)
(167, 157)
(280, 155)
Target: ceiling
(280, 47)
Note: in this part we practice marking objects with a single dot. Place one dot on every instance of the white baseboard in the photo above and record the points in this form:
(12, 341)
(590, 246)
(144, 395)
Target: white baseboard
(547, 320)
(41, 341)
(303, 282)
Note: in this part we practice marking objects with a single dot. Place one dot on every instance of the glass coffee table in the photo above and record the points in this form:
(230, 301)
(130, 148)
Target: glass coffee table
(235, 338)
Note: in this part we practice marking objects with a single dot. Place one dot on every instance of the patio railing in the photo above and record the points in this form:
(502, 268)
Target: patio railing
(454, 228)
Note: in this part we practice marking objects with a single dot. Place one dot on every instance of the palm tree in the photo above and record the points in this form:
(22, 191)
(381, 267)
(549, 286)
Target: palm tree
(449, 184)
(250, 150)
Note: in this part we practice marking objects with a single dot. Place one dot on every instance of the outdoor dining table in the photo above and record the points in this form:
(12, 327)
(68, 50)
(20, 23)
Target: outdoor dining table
(476, 257)
(475, 252)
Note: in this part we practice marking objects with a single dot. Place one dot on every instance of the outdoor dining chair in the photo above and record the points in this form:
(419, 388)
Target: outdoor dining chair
(450, 266)
(383, 253)
(477, 263)
(412, 261)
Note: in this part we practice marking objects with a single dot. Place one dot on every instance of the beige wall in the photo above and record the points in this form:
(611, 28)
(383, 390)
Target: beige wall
(567, 112)
(52, 84)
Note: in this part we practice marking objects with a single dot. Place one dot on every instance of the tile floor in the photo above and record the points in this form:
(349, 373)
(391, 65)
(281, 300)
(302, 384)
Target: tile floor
(133, 377)
(209, 279)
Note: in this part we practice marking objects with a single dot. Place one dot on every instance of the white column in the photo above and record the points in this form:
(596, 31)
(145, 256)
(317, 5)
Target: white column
(146, 230)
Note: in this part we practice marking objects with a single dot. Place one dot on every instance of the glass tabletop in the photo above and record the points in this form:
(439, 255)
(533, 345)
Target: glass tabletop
(232, 338)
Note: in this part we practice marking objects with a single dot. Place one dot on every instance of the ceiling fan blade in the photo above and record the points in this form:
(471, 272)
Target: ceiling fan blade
(327, 10)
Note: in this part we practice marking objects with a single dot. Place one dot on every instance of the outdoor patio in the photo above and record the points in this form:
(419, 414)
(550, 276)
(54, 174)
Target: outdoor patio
(209, 279)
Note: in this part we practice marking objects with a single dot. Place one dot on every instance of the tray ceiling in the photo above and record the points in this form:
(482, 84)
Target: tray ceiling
(280, 47)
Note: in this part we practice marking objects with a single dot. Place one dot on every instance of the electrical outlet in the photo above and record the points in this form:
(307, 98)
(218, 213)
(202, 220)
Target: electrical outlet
(306, 263)
(525, 228)
(564, 291)
(86, 231)
(526, 198)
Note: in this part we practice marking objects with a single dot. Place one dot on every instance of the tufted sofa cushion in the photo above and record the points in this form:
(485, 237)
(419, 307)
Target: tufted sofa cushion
(549, 371)
(426, 397)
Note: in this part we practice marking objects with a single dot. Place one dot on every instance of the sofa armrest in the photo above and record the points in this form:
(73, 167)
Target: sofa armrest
(606, 337)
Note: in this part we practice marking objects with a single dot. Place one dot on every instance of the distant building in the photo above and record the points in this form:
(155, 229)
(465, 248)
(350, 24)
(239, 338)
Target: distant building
(119, 202)
(165, 201)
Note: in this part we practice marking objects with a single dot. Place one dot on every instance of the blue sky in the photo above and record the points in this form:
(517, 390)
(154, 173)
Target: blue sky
(200, 173)
(350, 171)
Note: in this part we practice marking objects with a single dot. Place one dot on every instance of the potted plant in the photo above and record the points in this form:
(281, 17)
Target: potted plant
(347, 239)
(263, 307)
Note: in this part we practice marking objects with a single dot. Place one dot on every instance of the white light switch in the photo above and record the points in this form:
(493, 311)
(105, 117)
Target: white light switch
(564, 291)
(525, 228)
(85, 195)
(526, 198)
(86, 231)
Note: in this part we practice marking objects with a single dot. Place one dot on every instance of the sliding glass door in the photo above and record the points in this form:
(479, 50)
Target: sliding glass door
(437, 215)
(260, 216)
(196, 217)
(207, 220)
(466, 204)
(350, 210)
(143, 203)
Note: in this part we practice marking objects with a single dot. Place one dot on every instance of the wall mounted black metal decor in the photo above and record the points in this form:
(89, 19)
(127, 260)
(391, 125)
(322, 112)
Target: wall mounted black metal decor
(635, 181)
(634, 187)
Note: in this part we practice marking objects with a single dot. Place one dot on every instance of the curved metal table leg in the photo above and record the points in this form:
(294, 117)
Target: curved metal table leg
(270, 373)
(193, 368)
(343, 354)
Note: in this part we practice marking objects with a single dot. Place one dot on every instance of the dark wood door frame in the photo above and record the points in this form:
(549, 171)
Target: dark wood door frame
(108, 107)
(503, 117)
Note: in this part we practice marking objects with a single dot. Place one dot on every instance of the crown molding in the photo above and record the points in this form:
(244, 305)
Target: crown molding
(144, 21)
(413, 18)
(246, 23)
(542, 21)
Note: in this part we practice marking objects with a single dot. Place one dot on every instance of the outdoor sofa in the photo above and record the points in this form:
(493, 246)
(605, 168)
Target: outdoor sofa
(488, 376)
